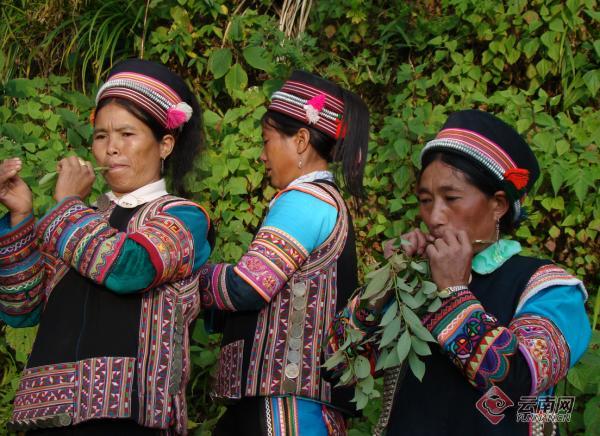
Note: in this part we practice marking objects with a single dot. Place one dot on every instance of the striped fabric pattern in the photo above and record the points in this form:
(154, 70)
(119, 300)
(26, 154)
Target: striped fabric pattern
(74, 392)
(150, 94)
(293, 96)
(21, 270)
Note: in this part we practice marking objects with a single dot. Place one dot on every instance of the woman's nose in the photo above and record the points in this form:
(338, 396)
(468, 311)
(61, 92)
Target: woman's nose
(112, 146)
(438, 216)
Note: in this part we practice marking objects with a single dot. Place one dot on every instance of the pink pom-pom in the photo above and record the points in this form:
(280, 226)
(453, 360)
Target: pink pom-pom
(177, 115)
(318, 102)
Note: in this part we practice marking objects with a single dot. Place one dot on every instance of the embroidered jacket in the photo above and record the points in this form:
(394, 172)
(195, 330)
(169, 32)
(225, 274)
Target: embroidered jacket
(520, 326)
(278, 301)
(103, 350)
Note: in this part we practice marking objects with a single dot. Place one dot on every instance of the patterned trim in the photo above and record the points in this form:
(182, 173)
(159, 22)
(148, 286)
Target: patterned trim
(228, 380)
(334, 421)
(213, 287)
(545, 277)
(272, 258)
(311, 189)
(472, 338)
(70, 393)
(293, 96)
(284, 416)
(544, 348)
(22, 275)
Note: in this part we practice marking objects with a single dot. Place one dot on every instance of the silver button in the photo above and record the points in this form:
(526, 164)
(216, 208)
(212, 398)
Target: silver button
(296, 330)
(294, 343)
(293, 356)
(299, 289)
(291, 370)
(289, 386)
(299, 303)
(297, 317)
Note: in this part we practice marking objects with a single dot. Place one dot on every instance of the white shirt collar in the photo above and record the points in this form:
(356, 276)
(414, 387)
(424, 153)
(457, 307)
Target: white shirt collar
(142, 195)
(311, 177)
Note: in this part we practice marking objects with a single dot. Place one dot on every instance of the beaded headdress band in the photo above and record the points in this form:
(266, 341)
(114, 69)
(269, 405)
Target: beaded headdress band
(310, 105)
(158, 99)
(488, 154)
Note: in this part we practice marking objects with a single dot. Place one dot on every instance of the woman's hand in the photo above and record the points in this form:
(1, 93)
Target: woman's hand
(75, 177)
(14, 192)
(416, 242)
(450, 258)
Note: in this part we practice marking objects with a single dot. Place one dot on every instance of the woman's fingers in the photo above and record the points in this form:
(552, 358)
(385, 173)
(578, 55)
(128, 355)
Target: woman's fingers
(76, 177)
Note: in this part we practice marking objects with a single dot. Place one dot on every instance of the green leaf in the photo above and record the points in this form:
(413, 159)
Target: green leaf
(415, 325)
(428, 287)
(236, 79)
(20, 340)
(389, 314)
(362, 367)
(420, 347)
(378, 281)
(592, 81)
(390, 332)
(403, 346)
(219, 62)
(416, 366)
(256, 58)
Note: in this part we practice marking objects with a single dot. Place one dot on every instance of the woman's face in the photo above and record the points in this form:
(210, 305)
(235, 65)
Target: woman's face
(448, 201)
(127, 147)
(280, 156)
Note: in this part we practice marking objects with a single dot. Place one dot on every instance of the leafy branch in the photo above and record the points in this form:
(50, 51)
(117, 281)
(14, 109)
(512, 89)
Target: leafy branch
(404, 285)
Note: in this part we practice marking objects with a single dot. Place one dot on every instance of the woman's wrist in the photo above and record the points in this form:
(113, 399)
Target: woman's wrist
(17, 218)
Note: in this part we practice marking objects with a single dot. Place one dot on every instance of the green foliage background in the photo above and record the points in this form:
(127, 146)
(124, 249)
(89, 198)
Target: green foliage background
(536, 64)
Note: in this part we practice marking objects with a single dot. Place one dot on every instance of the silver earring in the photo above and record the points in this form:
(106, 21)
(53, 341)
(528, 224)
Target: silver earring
(300, 163)
(162, 166)
(497, 230)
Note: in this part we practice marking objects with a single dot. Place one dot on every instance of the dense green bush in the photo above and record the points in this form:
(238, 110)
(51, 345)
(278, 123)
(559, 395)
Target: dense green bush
(534, 63)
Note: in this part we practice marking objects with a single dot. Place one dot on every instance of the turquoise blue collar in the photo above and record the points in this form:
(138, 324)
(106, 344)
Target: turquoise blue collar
(490, 259)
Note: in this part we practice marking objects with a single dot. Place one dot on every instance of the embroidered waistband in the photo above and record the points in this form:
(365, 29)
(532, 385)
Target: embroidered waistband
(62, 394)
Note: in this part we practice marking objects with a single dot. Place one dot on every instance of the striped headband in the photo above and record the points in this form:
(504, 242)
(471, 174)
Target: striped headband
(156, 98)
(310, 105)
(487, 153)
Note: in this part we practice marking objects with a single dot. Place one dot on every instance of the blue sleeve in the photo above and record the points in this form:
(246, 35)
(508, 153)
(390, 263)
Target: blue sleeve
(309, 220)
(564, 306)
(134, 271)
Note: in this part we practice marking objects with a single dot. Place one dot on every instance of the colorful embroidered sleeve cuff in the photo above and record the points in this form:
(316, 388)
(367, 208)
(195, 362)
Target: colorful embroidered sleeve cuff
(85, 240)
(272, 258)
(473, 339)
(223, 289)
(544, 348)
(21, 272)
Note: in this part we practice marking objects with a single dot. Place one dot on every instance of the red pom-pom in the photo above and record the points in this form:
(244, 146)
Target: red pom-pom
(518, 177)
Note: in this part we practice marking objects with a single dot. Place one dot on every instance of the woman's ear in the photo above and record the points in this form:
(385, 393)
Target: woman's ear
(302, 140)
(166, 146)
(500, 204)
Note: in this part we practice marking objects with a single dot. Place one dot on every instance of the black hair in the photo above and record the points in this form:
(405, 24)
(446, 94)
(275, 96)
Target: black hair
(350, 148)
(477, 176)
(189, 138)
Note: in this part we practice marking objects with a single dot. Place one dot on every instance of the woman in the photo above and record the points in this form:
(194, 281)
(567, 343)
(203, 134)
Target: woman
(511, 322)
(277, 301)
(113, 287)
